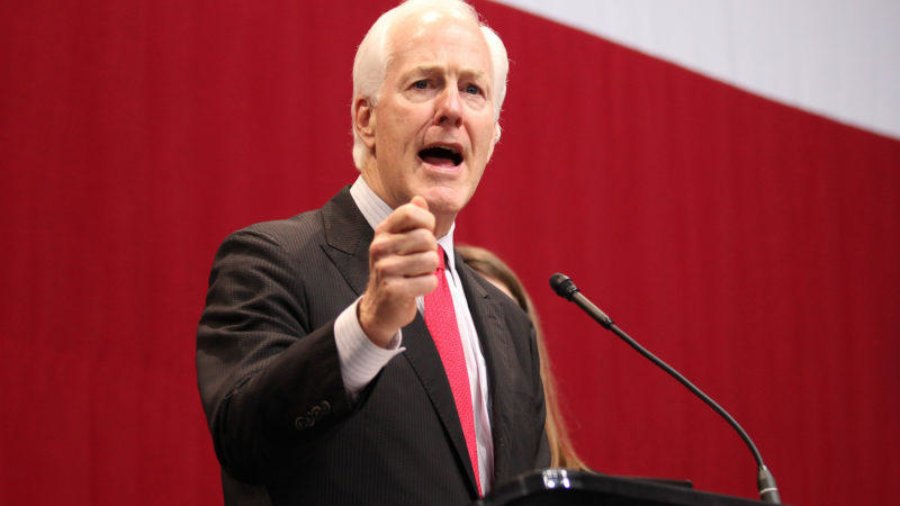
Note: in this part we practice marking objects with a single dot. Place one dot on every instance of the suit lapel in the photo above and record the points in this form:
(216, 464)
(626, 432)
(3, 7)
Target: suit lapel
(347, 237)
(422, 355)
(496, 345)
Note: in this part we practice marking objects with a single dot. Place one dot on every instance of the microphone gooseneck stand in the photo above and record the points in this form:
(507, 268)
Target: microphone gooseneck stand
(565, 288)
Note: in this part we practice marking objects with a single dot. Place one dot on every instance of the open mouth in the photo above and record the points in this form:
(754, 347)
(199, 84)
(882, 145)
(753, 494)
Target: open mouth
(441, 156)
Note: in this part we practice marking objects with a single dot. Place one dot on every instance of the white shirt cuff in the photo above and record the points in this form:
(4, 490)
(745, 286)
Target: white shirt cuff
(360, 358)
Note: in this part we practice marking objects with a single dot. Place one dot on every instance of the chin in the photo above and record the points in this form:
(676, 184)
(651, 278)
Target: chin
(446, 205)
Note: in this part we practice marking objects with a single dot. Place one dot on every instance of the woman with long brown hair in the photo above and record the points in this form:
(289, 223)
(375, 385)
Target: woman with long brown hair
(562, 454)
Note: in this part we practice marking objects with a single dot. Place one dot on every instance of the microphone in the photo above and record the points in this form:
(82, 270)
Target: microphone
(565, 288)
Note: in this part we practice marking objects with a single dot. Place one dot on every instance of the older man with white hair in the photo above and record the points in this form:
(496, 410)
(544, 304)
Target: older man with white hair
(347, 355)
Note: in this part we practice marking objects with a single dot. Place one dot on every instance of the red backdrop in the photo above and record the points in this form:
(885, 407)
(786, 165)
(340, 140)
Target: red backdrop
(753, 246)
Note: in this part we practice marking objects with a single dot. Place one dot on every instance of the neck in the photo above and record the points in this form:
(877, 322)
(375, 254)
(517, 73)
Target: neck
(442, 227)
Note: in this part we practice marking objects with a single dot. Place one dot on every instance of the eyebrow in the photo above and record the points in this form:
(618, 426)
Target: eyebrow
(431, 69)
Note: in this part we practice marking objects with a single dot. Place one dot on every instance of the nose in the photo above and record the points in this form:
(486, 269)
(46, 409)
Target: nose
(449, 108)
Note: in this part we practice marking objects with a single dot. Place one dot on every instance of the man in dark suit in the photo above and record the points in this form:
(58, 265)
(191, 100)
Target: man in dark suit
(329, 368)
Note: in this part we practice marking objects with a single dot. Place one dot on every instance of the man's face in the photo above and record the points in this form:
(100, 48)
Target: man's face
(433, 128)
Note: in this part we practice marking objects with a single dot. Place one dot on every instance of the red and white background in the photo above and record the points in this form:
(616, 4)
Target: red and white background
(723, 177)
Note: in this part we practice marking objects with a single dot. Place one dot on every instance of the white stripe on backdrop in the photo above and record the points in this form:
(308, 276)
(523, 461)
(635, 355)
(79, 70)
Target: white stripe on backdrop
(835, 58)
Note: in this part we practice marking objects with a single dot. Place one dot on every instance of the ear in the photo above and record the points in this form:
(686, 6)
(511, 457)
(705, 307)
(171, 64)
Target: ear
(364, 121)
(494, 140)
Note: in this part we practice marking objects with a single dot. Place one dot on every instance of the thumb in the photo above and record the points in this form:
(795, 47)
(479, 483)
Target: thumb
(420, 201)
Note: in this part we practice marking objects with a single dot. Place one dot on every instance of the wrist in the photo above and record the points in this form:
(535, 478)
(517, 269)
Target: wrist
(378, 334)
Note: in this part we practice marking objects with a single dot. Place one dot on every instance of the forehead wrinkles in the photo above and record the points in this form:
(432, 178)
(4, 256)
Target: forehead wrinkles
(410, 34)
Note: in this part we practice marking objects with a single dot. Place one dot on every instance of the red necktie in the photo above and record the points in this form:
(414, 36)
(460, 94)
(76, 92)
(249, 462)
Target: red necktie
(440, 318)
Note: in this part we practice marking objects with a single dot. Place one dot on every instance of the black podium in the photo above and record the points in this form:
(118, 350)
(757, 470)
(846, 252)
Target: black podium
(562, 487)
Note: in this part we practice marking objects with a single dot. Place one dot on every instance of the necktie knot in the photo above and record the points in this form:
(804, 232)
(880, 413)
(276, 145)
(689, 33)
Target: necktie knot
(442, 263)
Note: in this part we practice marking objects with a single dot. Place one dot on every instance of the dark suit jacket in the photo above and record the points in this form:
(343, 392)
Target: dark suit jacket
(271, 384)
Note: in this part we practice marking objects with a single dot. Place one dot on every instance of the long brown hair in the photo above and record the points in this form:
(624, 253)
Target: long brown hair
(562, 454)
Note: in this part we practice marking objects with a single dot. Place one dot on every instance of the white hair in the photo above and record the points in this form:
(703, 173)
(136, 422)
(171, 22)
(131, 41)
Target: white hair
(373, 57)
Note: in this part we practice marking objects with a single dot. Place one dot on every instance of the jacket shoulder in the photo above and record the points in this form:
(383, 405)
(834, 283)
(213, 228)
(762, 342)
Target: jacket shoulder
(291, 234)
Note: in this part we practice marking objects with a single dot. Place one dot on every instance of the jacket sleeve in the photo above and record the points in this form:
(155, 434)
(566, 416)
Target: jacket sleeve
(269, 378)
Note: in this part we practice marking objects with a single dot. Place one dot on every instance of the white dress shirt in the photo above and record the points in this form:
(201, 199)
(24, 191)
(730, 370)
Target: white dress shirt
(361, 359)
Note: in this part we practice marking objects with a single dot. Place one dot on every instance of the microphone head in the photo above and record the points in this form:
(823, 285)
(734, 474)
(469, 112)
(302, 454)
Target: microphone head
(563, 286)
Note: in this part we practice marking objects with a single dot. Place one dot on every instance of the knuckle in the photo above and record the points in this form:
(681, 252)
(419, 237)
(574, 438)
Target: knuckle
(392, 287)
(428, 236)
(404, 212)
(429, 219)
(378, 245)
(382, 269)
(424, 239)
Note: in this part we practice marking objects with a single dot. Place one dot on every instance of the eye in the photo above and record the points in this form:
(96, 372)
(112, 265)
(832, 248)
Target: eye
(472, 89)
(421, 84)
